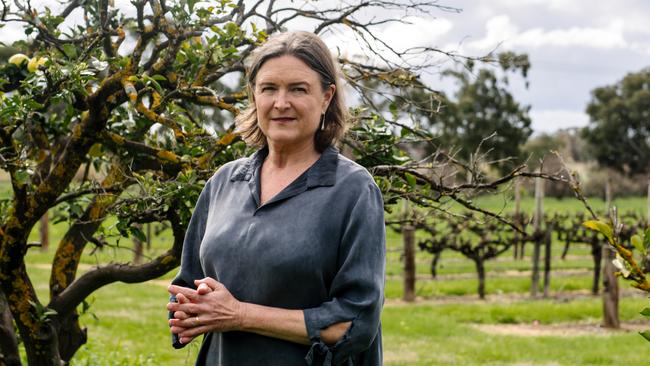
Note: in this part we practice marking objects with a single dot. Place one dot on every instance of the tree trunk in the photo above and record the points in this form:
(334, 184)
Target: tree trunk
(9, 354)
(34, 326)
(45, 237)
(565, 250)
(610, 290)
(597, 255)
(534, 287)
(480, 271)
(42, 348)
(434, 264)
(408, 233)
(71, 335)
(537, 228)
(36, 329)
(547, 260)
(70, 248)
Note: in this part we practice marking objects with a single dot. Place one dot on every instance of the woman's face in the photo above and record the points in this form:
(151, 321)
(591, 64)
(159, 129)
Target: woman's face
(289, 100)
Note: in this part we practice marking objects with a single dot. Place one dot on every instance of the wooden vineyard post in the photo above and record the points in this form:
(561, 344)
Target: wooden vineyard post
(45, 233)
(610, 281)
(548, 240)
(537, 227)
(610, 291)
(408, 237)
(148, 236)
(648, 212)
(434, 264)
(646, 263)
(408, 232)
(518, 252)
(597, 254)
(138, 248)
(608, 195)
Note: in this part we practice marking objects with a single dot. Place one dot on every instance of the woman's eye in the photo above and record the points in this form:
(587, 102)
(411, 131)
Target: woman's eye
(299, 90)
(266, 89)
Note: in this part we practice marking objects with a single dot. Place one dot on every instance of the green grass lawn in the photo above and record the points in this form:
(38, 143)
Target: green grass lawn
(127, 323)
(445, 334)
(130, 330)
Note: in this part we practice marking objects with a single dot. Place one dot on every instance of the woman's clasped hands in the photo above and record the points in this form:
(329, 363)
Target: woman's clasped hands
(209, 308)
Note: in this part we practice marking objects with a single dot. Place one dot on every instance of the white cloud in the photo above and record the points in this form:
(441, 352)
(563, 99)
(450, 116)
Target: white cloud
(557, 6)
(500, 30)
(551, 120)
(416, 31)
(604, 38)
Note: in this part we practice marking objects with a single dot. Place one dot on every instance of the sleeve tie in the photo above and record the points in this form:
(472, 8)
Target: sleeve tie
(319, 351)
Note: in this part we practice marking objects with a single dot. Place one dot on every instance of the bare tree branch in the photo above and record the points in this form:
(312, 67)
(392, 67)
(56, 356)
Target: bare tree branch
(94, 279)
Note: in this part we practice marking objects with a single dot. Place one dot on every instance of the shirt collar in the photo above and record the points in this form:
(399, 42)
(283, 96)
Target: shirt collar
(322, 173)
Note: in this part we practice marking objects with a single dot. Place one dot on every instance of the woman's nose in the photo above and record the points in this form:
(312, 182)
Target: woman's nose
(281, 101)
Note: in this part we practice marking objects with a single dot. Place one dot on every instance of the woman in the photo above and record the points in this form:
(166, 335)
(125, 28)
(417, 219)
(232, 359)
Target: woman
(283, 261)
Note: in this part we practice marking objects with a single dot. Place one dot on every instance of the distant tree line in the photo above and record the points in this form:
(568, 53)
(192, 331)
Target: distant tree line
(615, 146)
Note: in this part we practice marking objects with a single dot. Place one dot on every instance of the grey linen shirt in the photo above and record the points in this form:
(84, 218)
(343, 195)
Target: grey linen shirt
(318, 245)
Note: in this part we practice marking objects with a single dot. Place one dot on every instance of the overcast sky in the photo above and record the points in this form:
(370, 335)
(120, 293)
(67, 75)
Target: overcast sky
(574, 45)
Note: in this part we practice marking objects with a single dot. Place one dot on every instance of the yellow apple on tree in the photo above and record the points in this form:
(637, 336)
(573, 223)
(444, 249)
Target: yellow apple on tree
(18, 59)
(35, 63)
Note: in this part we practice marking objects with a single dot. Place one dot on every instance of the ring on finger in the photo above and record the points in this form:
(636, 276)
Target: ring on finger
(196, 320)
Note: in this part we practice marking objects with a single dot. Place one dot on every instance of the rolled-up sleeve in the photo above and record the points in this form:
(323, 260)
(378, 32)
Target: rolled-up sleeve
(357, 290)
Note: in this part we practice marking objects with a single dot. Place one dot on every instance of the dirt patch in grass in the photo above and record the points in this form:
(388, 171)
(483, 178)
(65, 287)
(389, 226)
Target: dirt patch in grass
(507, 298)
(48, 266)
(560, 330)
(495, 274)
(401, 357)
(161, 283)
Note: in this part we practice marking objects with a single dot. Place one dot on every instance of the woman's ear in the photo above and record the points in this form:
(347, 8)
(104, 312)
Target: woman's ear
(327, 96)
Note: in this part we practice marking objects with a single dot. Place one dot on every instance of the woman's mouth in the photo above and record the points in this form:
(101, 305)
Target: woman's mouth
(283, 119)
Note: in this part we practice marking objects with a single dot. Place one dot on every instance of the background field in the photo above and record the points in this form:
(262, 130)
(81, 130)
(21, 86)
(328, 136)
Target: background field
(447, 325)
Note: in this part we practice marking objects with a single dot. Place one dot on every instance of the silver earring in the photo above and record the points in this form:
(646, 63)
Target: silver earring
(322, 122)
